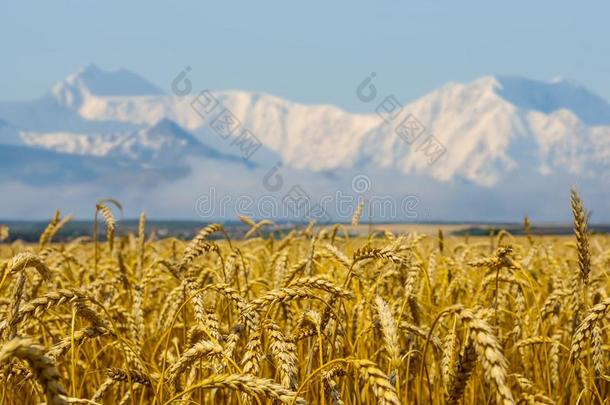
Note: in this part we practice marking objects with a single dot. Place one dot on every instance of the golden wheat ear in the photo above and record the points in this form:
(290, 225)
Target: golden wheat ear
(41, 365)
(110, 223)
(582, 235)
(358, 214)
(317, 315)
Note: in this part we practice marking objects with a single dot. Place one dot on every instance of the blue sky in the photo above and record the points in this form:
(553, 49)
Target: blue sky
(313, 52)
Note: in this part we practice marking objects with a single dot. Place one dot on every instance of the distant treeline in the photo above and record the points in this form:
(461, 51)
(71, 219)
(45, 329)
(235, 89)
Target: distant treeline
(30, 231)
(535, 230)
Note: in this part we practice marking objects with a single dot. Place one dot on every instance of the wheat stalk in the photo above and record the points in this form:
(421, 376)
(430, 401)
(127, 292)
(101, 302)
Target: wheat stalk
(282, 317)
(42, 366)
(378, 381)
(388, 328)
(581, 233)
(594, 315)
(198, 351)
(465, 366)
(110, 223)
(285, 354)
(357, 214)
(248, 384)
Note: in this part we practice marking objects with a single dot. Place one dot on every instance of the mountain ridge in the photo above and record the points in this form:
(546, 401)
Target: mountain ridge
(322, 137)
(489, 130)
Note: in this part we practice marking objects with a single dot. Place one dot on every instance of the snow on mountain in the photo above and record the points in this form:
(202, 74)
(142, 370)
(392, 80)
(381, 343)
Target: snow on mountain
(46, 114)
(495, 133)
(492, 125)
(567, 142)
(57, 110)
(92, 82)
(548, 97)
(475, 126)
(488, 127)
(312, 137)
(165, 141)
(144, 144)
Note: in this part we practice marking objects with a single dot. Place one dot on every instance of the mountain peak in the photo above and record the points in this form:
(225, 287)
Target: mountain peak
(121, 82)
(494, 133)
(90, 69)
(554, 95)
(93, 81)
(541, 96)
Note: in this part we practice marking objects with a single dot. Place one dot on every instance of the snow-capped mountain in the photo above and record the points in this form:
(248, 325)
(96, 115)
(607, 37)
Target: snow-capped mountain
(483, 134)
(163, 142)
(486, 126)
(93, 82)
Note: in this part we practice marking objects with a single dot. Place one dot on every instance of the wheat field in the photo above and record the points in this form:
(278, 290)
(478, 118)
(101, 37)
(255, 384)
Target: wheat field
(314, 316)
